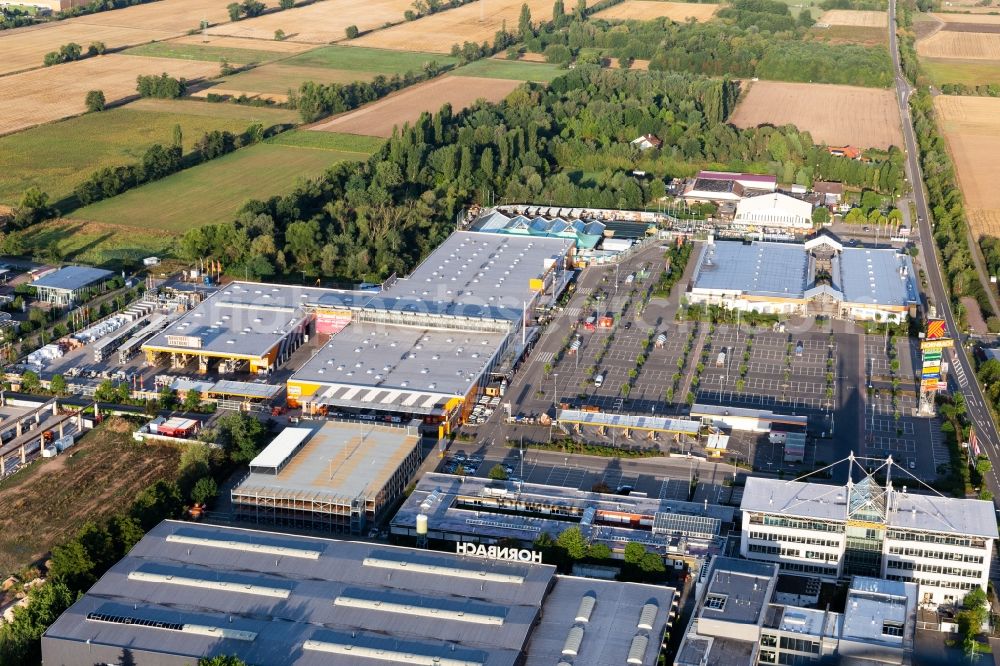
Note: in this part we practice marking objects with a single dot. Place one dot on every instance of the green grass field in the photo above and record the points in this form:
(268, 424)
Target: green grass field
(57, 156)
(515, 70)
(212, 192)
(349, 143)
(99, 244)
(967, 72)
(330, 64)
(361, 59)
(205, 52)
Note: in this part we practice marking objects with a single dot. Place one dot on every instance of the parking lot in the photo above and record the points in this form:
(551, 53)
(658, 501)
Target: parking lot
(649, 361)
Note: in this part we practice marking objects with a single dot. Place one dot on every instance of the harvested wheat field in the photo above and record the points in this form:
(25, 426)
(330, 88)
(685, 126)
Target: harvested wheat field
(42, 95)
(971, 127)
(378, 118)
(319, 23)
(965, 45)
(438, 32)
(836, 115)
(241, 43)
(990, 19)
(26, 48)
(855, 18)
(646, 10)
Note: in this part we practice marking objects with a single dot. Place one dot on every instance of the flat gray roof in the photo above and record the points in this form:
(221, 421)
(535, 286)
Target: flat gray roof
(931, 513)
(71, 278)
(743, 590)
(383, 366)
(247, 319)
(609, 632)
(436, 496)
(876, 277)
(872, 601)
(340, 460)
(280, 599)
(476, 274)
(774, 270)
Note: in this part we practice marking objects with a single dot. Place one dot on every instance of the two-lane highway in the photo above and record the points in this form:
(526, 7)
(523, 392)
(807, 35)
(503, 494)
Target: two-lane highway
(962, 369)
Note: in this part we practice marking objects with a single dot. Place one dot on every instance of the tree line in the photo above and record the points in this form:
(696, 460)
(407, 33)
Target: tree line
(160, 161)
(568, 144)
(318, 100)
(947, 209)
(751, 38)
(163, 86)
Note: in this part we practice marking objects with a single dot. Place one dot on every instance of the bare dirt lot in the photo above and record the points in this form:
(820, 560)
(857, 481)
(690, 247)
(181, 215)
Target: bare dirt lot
(836, 115)
(378, 118)
(645, 10)
(322, 22)
(49, 501)
(971, 127)
(42, 95)
(26, 48)
(855, 18)
(965, 45)
(474, 22)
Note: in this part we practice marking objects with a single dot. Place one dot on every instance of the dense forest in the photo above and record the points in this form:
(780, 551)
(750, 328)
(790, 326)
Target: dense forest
(750, 38)
(566, 144)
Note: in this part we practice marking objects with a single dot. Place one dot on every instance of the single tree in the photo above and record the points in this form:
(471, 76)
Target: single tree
(96, 48)
(192, 400)
(498, 472)
(524, 29)
(286, 4)
(95, 101)
(204, 490)
(279, 35)
(234, 11)
(571, 540)
(58, 385)
(351, 31)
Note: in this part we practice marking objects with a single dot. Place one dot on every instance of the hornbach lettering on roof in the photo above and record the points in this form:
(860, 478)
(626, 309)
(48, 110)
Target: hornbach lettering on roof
(498, 553)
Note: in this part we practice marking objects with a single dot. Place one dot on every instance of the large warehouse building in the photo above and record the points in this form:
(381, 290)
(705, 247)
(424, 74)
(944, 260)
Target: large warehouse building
(333, 476)
(427, 345)
(943, 544)
(774, 213)
(821, 276)
(467, 303)
(190, 591)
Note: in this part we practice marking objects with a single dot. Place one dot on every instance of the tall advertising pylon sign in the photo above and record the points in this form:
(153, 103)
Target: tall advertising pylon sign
(935, 341)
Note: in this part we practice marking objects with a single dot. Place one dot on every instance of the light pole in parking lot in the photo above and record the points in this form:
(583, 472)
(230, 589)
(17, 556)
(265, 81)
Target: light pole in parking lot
(555, 392)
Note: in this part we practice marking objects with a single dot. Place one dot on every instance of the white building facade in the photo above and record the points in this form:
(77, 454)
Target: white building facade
(943, 544)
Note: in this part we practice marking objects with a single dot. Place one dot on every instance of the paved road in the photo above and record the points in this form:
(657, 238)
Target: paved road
(962, 369)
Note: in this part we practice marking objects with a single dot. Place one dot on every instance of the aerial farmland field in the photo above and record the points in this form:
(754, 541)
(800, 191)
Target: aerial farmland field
(212, 192)
(57, 156)
(971, 127)
(645, 10)
(475, 22)
(42, 95)
(833, 114)
(321, 22)
(25, 48)
(380, 117)
(855, 18)
(514, 70)
(331, 64)
(963, 45)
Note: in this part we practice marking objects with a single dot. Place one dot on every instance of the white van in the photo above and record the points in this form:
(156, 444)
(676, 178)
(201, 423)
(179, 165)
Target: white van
(598, 380)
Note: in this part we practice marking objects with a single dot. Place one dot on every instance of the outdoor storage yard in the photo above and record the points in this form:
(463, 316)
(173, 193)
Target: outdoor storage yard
(321, 22)
(971, 127)
(836, 115)
(25, 48)
(43, 95)
(645, 10)
(475, 22)
(858, 19)
(378, 118)
(48, 502)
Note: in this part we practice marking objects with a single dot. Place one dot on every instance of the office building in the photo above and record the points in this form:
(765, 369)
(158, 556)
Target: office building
(943, 544)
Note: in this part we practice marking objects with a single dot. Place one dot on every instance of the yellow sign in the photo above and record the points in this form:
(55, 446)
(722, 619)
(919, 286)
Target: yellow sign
(865, 523)
(936, 344)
